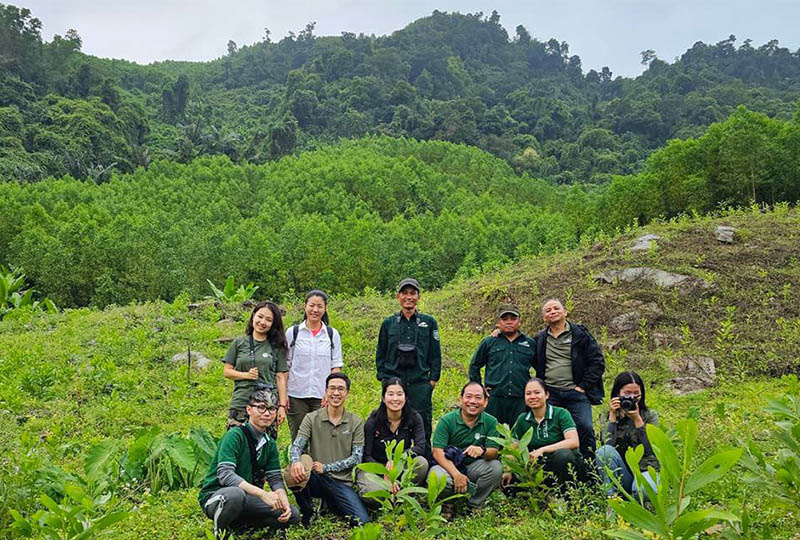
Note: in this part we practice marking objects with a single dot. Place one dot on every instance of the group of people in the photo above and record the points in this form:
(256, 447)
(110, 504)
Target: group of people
(295, 374)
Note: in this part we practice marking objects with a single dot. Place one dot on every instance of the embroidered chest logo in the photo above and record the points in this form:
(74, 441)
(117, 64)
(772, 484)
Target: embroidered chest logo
(423, 324)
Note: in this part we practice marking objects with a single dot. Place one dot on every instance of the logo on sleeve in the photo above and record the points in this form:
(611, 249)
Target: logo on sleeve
(436, 335)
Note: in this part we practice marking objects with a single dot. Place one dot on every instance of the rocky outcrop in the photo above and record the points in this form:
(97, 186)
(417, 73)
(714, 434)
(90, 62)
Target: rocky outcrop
(199, 360)
(653, 276)
(694, 373)
(725, 234)
(630, 320)
(646, 242)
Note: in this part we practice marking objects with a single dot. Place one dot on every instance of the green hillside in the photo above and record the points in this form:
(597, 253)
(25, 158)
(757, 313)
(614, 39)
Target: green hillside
(71, 380)
(462, 78)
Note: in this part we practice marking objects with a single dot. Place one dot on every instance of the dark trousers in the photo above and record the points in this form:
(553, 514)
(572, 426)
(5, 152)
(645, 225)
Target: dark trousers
(420, 398)
(340, 497)
(506, 409)
(243, 511)
(581, 410)
(566, 465)
(298, 409)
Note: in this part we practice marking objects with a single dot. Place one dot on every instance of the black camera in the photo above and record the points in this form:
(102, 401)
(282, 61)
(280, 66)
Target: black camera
(628, 403)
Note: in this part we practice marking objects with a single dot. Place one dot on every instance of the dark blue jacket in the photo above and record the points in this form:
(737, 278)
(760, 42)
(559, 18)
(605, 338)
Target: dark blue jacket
(588, 363)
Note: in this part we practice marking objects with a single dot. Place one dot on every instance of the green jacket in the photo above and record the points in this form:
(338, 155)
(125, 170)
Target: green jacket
(508, 364)
(420, 330)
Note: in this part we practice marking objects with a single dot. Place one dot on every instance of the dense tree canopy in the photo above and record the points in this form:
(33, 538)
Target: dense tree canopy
(453, 77)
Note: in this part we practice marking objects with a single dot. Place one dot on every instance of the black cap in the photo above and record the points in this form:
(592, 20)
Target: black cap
(408, 282)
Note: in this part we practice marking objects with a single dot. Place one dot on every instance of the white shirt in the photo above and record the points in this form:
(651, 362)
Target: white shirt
(311, 360)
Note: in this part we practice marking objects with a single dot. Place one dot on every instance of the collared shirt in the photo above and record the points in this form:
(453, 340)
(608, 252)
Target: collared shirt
(420, 330)
(552, 429)
(558, 371)
(452, 431)
(265, 355)
(508, 364)
(233, 449)
(311, 360)
(328, 443)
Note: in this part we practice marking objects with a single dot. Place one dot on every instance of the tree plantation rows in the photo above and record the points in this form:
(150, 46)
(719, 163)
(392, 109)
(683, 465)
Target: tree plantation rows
(453, 77)
(360, 214)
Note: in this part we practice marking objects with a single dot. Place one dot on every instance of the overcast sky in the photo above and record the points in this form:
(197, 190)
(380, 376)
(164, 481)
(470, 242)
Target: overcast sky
(601, 32)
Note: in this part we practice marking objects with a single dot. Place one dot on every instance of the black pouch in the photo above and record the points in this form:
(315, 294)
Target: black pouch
(406, 355)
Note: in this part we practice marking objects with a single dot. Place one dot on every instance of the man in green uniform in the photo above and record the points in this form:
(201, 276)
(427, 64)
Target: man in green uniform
(409, 348)
(463, 449)
(246, 456)
(508, 359)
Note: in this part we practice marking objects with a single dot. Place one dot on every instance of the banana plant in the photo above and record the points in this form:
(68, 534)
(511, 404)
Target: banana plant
(672, 517)
(229, 294)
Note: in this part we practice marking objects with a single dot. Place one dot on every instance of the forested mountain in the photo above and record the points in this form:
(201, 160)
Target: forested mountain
(454, 77)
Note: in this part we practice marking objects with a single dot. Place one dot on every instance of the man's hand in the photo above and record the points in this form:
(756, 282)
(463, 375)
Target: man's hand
(535, 454)
(460, 482)
(433, 384)
(281, 415)
(271, 499)
(579, 389)
(287, 508)
(474, 451)
(505, 481)
(317, 467)
(298, 472)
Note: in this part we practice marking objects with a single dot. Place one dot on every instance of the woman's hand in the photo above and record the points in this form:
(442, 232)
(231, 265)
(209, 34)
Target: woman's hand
(281, 414)
(505, 481)
(252, 374)
(615, 409)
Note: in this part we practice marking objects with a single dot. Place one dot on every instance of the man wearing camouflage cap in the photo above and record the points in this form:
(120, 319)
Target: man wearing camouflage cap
(508, 358)
(409, 348)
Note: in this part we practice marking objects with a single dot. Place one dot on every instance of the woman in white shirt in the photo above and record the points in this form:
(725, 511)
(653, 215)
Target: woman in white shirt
(315, 351)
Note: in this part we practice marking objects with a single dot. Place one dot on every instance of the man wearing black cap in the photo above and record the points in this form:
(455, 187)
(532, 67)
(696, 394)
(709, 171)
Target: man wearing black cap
(409, 348)
(508, 358)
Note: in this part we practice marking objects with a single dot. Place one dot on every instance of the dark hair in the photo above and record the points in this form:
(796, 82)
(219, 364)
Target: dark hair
(380, 413)
(537, 380)
(276, 334)
(463, 388)
(629, 377)
(338, 375)
(317, 292)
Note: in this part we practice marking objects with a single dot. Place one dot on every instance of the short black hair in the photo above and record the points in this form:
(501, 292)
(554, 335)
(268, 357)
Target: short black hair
(629, 377)
(338, 375)
(463, 388)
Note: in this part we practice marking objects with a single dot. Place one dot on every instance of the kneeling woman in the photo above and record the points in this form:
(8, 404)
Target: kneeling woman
(625, 429)
(393, 420)
(555, 439)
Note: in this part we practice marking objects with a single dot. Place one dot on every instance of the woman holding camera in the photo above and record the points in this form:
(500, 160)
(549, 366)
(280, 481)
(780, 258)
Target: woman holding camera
(626, 428)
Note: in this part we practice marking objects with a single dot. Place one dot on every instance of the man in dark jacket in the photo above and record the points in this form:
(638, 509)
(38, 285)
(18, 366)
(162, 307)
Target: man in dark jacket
(409, 349)
(570, 361)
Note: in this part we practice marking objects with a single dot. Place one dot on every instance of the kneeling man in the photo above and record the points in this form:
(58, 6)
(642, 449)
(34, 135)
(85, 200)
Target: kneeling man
(462, 448)
(232, 493)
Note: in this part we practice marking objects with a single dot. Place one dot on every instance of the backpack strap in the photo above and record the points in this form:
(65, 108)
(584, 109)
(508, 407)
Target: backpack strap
(251, 445)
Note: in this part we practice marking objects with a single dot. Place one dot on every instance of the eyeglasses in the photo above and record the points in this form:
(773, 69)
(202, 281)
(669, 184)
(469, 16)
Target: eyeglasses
(262, 409)
(337, 389)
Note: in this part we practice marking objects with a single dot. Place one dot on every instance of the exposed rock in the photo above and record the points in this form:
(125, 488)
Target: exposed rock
(687, 385)
(660, 278)
(199, 359)
(696, 373)
(662, 340)
(626, 322)
(644, 243)
(224, 339)
(612, 344)
(725, 234)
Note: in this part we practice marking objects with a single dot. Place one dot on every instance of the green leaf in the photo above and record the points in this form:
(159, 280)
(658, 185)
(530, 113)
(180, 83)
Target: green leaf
(691, 523)
(688, 430)
(664, 451)
(229, 289)
(712, 469)
(639, 517)
(99, 460)
(374, 468)
(625, 535)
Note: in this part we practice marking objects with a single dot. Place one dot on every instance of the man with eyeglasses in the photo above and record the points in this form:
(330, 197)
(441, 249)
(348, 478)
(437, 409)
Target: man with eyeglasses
(334, 438)
(246, 457)
(508, 358)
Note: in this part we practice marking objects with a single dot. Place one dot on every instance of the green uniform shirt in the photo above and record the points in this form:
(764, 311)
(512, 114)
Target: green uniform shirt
(420, 330)
(508, 364)
(233, 449)
(328, 443)
(550, 430)
(452, 431)
(558, 370)
(238, 356)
